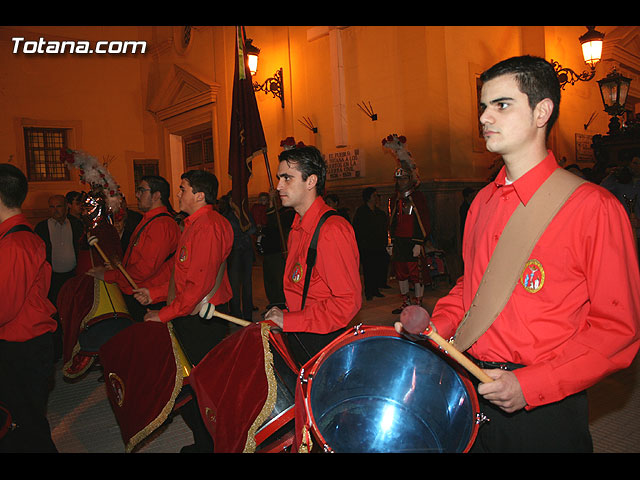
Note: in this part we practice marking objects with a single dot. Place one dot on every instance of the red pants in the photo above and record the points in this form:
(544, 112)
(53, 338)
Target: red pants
(407, 271)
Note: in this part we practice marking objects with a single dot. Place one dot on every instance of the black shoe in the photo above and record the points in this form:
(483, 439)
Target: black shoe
(397, 311)
(194, 449)
(368, 297)
(378, 294)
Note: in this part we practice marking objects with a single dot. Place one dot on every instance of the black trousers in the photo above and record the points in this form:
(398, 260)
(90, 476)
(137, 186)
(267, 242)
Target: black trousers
(137, 310)
(26, 369)
(304, 345)
(560, 427)
(197, 337)
(375, 265)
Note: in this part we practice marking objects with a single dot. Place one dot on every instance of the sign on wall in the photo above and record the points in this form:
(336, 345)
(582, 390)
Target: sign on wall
(344, 163)
(584, 152)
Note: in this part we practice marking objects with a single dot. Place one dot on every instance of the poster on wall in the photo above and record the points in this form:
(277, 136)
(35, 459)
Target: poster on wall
(344, 163)
(584, 152)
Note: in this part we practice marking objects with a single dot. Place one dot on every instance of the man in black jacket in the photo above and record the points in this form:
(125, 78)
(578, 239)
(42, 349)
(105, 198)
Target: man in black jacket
(61, 234)
(370, 225)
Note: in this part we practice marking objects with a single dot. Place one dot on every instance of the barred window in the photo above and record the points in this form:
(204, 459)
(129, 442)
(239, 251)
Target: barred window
(143, 167)
(42, 150)
(198, 152)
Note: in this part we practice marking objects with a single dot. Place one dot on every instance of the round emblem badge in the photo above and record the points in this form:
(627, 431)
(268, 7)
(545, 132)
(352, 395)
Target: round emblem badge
(117, 385)
(296, 274)
(183, 253)
(532, 277)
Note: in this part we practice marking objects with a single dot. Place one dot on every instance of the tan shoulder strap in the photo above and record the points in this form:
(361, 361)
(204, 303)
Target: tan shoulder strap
(172, 288)
(512, 251)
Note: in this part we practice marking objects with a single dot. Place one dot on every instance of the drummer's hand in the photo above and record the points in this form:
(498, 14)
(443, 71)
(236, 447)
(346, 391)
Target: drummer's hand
(275, 315)
(504, 391)
(96, 272)
(142, 296)
(152, 316)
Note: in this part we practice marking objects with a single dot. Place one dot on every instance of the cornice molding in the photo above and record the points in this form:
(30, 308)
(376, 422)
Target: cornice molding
(181, 92)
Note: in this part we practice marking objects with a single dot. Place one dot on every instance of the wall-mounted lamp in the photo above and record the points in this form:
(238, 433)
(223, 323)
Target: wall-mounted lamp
(273, 85)
(614, 89)
(591, 52)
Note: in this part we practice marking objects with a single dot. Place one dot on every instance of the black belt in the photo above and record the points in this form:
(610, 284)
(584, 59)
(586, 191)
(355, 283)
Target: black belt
(501, 365)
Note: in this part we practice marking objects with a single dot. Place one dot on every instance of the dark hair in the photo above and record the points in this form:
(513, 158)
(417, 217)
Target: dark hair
(13, 186)
(333, 197)
(73, 195)
(367, 192)
(203, 181)
(159, 184)
(536, 78)
(309, 161)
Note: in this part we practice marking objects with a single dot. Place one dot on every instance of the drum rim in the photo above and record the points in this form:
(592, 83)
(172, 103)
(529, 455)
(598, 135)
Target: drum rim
(361, 332)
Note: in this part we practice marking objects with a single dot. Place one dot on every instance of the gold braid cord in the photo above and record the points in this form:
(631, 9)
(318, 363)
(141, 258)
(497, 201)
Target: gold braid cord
(272, 394)
(306, 445)
(159, 420)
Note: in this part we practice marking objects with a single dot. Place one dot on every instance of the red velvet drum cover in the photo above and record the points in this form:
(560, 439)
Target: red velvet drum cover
(143, 376)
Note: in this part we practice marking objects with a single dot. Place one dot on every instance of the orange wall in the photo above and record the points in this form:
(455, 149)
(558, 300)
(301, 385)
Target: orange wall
(420, 81)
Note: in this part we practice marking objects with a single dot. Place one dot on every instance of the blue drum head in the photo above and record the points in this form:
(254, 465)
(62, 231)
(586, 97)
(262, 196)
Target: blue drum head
(385, 394)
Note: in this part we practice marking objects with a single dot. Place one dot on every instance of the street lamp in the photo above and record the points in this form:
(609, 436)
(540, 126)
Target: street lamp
(591, 52)
(273, 85)
(614, 89)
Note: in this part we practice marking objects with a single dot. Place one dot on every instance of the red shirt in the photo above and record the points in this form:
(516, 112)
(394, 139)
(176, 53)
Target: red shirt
(577, 319)
(410, 217)
(147, 253)
(25, 276)
(335, 291)
(205, 243)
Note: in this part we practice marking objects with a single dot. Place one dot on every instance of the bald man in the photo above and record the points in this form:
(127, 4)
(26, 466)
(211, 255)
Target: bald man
(61, 236)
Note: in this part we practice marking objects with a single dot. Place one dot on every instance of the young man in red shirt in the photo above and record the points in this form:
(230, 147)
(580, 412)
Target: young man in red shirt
(203, 248)
(572, 318)
(335, 292)
(26, 323)
(149, 256)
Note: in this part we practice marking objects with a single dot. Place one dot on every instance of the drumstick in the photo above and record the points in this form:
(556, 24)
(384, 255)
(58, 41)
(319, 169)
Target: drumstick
(206, 313)
(415, 320)
(232, 319)
(93, 241)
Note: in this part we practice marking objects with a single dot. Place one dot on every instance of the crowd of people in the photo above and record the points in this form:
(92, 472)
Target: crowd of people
(571, 318)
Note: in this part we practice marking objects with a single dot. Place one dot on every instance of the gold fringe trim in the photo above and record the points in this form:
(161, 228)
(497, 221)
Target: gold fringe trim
(272, 394)
(159, 420)
(306, 445)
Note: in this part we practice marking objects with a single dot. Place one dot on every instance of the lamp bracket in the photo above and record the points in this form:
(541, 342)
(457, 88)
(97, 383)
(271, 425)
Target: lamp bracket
(566, 75)
(272, 85)
(368, 110)
(307, 123)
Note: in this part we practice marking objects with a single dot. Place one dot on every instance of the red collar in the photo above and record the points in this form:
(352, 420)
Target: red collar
(528, 183)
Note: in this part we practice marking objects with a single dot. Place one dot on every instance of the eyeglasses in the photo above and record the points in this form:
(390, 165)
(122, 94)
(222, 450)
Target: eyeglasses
(142, 190)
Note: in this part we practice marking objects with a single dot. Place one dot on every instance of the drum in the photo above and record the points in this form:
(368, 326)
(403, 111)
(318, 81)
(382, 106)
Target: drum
(108, 315)
(276, 434)
(373, 391)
